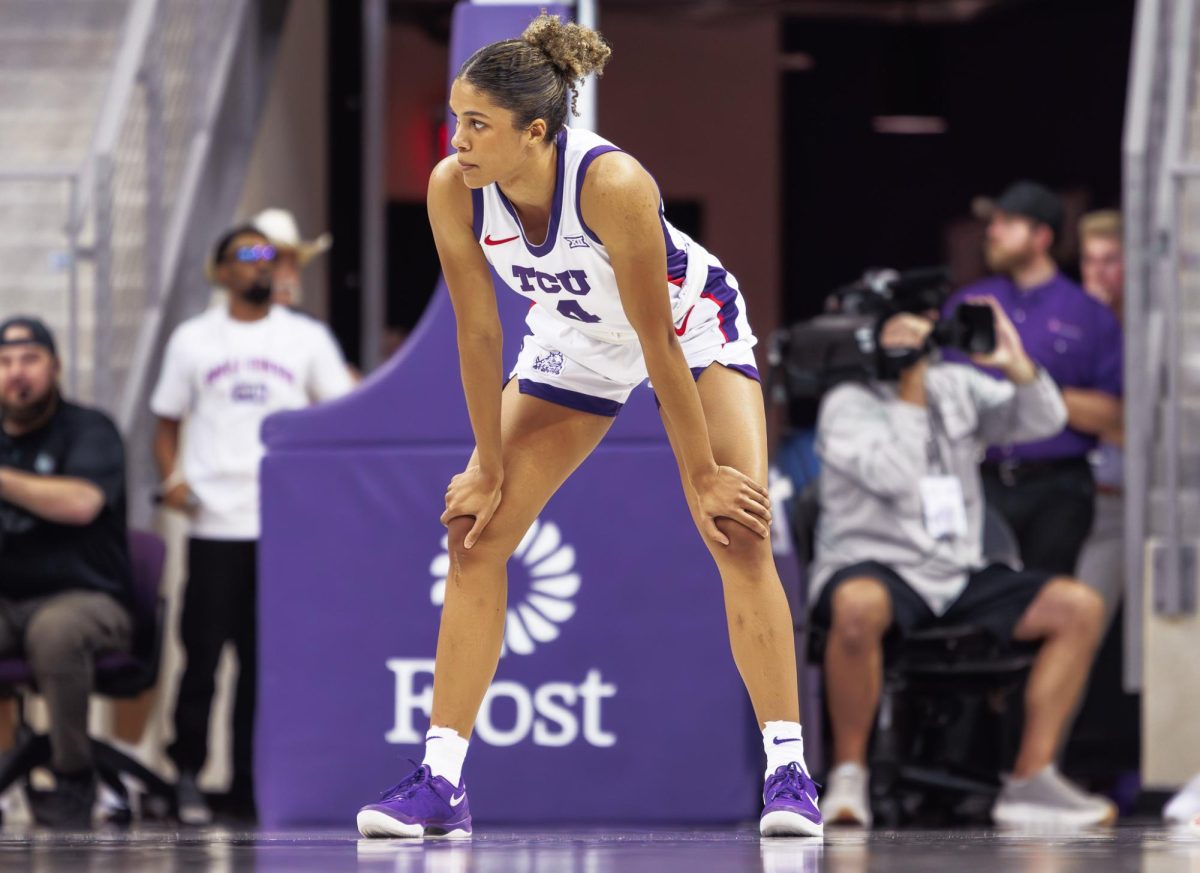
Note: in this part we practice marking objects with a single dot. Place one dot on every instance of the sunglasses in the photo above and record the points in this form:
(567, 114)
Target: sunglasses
(253, 254)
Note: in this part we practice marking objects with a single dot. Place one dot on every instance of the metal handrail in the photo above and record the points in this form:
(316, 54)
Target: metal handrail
(33, 173)
(139, 23)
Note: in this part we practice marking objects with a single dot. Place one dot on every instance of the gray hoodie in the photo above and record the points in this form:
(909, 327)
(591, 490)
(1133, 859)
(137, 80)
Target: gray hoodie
(875, 449)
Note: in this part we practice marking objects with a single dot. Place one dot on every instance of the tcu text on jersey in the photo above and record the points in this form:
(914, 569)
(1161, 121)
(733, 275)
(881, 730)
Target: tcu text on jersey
(573, 281)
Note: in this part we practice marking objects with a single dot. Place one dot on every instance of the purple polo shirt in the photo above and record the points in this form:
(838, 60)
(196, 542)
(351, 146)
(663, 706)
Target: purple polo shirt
(1073, 336)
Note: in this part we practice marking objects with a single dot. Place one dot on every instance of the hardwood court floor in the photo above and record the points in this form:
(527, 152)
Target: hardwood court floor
(618, 850)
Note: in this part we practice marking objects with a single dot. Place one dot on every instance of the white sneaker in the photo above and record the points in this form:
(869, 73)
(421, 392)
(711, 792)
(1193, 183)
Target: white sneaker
(192, 807)
(1185, 805)
(1047, 800)
(845, 800)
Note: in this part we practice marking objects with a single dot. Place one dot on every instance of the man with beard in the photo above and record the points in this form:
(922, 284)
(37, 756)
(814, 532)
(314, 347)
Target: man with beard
(224, 372)
(1045, 489)
(64, 562)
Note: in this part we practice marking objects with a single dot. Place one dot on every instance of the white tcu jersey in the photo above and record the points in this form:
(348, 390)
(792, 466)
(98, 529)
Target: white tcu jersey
(570, 275)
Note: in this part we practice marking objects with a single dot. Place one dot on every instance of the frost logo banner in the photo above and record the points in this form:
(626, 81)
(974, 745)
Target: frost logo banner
(543, 583)
(532, 620)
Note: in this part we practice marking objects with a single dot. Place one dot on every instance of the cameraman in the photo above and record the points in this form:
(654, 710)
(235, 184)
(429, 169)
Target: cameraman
(899, 548)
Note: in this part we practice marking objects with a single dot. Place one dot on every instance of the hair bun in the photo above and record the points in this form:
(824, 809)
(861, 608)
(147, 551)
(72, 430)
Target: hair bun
(575, 50)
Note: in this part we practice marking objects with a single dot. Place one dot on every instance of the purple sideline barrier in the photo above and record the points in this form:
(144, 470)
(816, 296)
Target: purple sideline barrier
(616, 698)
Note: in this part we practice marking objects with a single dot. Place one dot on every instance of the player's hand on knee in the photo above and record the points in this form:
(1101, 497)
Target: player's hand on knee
(729, 493)
(472, 493)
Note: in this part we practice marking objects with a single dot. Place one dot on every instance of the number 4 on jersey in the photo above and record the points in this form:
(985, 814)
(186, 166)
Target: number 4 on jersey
(571, 309)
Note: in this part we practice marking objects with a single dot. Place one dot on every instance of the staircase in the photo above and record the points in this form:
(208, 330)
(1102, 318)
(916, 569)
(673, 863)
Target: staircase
(1162, 383)
(56, 62)
(107, 115)
(126, 127)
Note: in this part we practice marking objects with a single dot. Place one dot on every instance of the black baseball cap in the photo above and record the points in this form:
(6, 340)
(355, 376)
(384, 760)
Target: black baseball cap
(27, 330)
(1028, 199)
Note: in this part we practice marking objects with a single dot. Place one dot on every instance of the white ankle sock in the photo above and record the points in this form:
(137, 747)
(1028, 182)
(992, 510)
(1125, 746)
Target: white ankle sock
(784, 744)
(445, 752)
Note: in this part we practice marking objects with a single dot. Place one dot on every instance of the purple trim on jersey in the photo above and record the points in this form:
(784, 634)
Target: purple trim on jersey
(671, 249)
(540, 251)
(677, 258)
(590, 156)
(571, 399)
(725, 296)
(477, 212)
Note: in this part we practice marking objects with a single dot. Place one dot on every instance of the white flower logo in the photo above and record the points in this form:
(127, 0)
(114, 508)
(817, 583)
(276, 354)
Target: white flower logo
(549, 565)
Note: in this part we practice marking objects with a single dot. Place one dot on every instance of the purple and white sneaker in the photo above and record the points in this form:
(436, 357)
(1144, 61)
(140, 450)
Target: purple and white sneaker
(423, 805)
(790, 805)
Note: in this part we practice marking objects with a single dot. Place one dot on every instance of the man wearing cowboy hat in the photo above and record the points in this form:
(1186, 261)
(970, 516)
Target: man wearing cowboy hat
(223, 372)
(293, 253)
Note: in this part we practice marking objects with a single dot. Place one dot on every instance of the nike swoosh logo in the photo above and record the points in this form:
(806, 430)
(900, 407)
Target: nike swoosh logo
(681, 330)
(455, 801)
(780, 742)
(488, 241)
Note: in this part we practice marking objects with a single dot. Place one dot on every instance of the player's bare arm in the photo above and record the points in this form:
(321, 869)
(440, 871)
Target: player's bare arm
(620, 202)
(476, 491)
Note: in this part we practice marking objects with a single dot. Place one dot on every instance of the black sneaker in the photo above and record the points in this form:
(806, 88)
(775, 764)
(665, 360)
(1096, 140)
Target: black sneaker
(69, 805)
(238, 805)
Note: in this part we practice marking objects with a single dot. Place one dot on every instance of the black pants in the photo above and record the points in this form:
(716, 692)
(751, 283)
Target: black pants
(1049, 505)
(220, 604)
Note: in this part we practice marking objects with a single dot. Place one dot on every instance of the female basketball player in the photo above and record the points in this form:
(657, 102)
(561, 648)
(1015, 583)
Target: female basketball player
(576, 226)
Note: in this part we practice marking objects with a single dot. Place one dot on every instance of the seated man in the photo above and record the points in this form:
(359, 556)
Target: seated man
(899, 548)
(64, 561)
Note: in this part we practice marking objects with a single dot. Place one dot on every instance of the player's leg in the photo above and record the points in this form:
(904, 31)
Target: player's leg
(1067, 617)
(541, 444)
(756, 608)
(760, 625)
